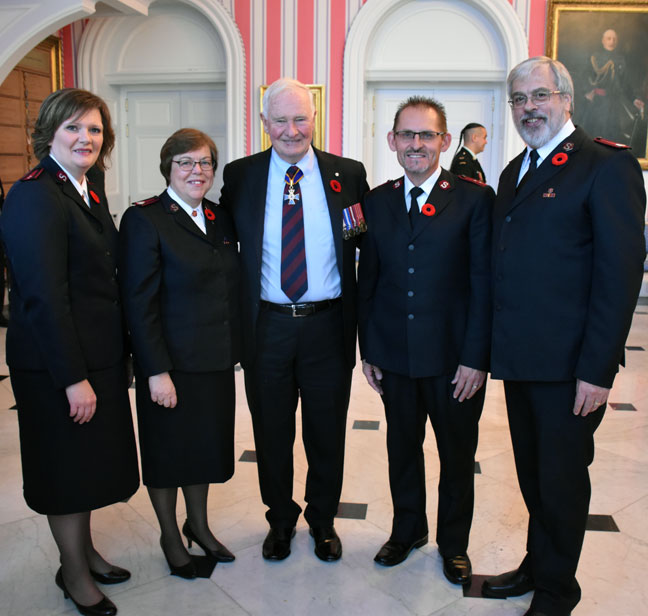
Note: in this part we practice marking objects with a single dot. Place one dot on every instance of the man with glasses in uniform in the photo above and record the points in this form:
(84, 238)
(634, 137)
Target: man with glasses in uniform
(424, 324)
(567, 267)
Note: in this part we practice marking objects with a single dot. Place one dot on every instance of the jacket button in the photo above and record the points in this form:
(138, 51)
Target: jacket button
(410, 247)
(508, 219)
(410, 317)
(410, 270)
(410, 294)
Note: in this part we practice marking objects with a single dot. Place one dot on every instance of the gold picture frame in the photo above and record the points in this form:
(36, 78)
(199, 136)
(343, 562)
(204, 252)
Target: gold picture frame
(319, 134)
(604, 46)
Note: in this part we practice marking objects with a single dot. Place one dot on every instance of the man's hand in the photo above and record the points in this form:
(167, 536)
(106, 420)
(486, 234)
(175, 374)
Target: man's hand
(163, 390)
(589, 397)
(468, 381)
(374, 376)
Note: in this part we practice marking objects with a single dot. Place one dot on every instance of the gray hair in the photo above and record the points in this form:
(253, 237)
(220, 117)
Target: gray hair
(561, 75)
(282, 85)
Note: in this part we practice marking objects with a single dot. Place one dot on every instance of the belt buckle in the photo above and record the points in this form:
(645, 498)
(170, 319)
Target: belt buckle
(294, 310)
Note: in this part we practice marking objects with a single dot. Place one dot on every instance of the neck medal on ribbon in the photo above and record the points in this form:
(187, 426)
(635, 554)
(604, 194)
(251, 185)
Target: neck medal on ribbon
(292, 181)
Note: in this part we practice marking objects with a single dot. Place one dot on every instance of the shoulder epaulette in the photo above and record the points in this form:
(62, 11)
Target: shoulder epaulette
(32, 175)
(612, 144)
(473, 180)
(145, 202)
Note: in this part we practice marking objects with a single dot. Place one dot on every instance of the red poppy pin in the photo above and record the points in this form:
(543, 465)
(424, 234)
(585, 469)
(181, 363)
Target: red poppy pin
(93, 194)
(559, 159)
(209, 215)
(428, 209)
(336, 186)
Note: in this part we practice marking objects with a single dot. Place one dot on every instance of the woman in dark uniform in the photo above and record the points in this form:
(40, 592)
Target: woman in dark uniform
(66, 340)
(179, 274)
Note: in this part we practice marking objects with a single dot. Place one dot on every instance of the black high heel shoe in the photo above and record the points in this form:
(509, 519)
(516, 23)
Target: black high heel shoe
(116, 575)
(221, 554)
(188, 571)
(105, 607)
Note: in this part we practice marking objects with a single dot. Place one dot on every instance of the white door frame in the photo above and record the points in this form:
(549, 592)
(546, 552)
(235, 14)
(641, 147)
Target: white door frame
(356, 78)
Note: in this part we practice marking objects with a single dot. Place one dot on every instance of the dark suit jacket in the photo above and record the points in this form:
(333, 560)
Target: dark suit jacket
(66, 316)
(244, 195)
(568, 254)
(180, 287)
(464, 163)
(424, 293)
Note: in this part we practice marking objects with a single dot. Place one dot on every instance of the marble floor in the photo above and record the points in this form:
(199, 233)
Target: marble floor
(613, 569)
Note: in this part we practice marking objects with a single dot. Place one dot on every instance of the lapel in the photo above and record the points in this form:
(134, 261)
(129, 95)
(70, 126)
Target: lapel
(254, 200)
(68, 189)
(440, 197)
(397, 206)
(548, 168)
(329, 168)
(181, 218)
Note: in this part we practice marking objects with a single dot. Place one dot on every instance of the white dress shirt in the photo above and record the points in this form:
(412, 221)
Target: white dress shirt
(321, 263)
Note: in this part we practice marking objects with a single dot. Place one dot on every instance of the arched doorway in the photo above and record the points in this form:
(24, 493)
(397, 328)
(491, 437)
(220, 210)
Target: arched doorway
(457, 51)
(181, 65)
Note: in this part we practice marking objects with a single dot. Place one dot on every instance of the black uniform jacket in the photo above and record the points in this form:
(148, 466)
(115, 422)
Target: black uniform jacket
(244, 195)
(180, 287)
(464, 163)
(66, 316)
(568, 253)
(424, 293)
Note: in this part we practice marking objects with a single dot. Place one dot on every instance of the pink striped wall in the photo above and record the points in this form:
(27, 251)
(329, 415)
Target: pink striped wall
(317, 48)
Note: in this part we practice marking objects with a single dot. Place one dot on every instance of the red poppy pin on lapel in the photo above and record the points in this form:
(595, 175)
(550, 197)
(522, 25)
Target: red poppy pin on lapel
(428, 209)
(335, 185)
(209, 214)
(94, 196)
(559, 159)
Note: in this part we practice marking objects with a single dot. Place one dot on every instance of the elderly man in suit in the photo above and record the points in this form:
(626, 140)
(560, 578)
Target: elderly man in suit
(424, 323)
(568, 256)
(299, 311)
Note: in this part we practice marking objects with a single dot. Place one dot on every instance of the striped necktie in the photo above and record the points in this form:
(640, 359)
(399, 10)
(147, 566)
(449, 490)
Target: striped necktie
(294, 278)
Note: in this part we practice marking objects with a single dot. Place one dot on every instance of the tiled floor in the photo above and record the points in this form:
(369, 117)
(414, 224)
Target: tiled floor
(612, 572)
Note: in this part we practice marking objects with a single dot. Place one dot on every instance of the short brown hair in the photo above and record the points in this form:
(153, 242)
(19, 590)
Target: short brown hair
(426, 103)
(70, 103)
(185, 140)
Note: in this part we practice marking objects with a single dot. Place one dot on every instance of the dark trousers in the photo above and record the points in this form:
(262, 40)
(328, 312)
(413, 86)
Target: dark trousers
(553, 449)
(300, 357)
(408, 403)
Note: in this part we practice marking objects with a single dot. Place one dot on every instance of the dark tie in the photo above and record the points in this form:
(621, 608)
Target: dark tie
(533, 162)
(294, 280)
(415, 193)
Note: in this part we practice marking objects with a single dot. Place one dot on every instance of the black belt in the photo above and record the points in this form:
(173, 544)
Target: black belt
(300, 310)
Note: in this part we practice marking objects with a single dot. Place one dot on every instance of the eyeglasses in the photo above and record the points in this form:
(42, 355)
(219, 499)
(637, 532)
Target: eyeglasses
(538, 97)
(186, 164)
(406, 136)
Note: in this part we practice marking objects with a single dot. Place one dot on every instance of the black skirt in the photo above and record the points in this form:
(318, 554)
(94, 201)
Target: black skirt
(70, 467)
(192, 443)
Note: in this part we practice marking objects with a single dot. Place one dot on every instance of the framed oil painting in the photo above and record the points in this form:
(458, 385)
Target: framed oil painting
(604, 45)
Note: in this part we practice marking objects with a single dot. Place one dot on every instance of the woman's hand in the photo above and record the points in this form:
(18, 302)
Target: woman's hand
(83, 401)
(163, 390)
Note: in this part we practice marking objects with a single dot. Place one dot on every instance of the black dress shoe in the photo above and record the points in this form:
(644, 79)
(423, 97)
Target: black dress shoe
(186, 571)
(116, 575)
(510, 584)
(276, 545)
(105, 607)
(458, 569)
(394, 552)
(221, 554)
(327, 543)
